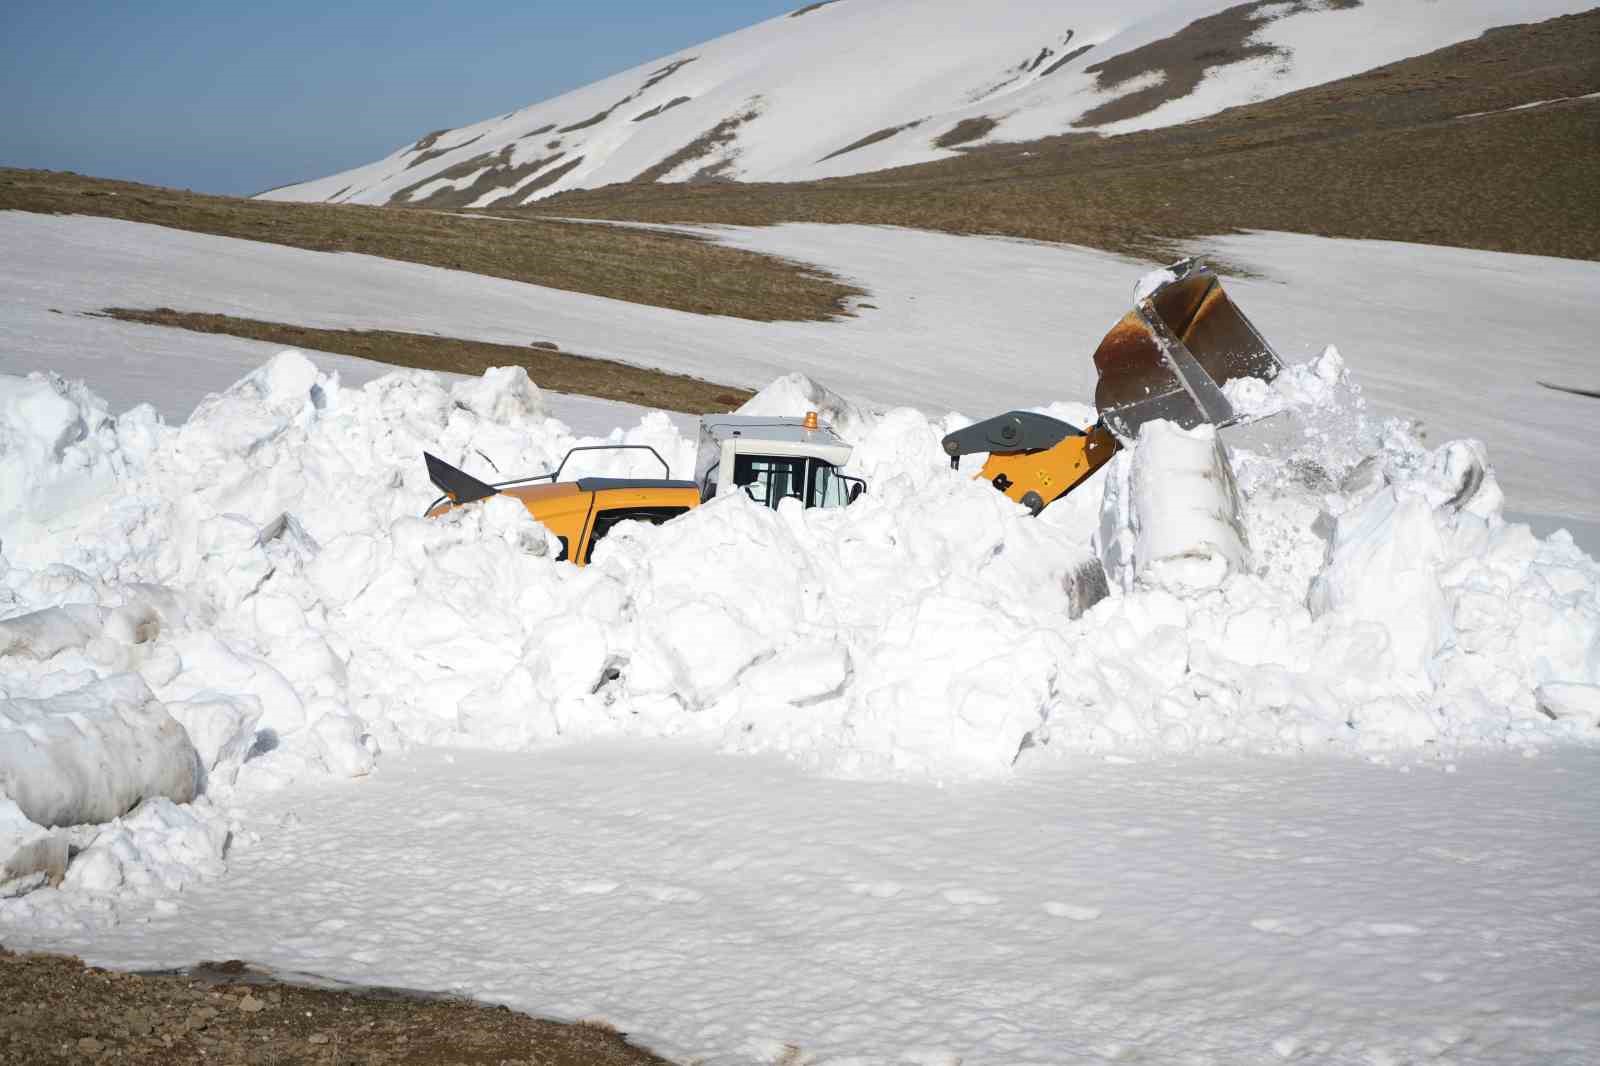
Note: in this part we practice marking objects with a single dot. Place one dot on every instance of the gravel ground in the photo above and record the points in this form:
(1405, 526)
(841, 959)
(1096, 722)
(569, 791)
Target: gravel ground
(54, 1009)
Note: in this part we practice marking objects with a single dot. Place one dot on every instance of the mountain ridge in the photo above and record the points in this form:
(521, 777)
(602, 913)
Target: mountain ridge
(859, 86)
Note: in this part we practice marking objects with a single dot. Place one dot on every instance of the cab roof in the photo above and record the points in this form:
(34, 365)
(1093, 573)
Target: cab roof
(541, 492)
(781, 428)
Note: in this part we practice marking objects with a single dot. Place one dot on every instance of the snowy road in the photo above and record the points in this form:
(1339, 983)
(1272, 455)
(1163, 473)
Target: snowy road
(720, 908)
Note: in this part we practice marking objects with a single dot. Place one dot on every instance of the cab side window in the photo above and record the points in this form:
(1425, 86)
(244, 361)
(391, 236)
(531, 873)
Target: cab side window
(606, 521)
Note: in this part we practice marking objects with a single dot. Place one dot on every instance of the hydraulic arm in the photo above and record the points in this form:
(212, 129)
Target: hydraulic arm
(1168, 358)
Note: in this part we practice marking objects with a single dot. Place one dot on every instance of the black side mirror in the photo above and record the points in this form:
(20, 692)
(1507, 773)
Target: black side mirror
(857, 491)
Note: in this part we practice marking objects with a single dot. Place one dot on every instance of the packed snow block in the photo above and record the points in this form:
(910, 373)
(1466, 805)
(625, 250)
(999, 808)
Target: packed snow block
(222, 730)
(795, 395)
(59, 449)
(1085, 586)
(1562, 700)
(285, 392)
(44, 634)
(92, 754)
(503, 394)
(1389, 552)
(1170, 515)
(31, 856)
(1382, 568)
(160, 848)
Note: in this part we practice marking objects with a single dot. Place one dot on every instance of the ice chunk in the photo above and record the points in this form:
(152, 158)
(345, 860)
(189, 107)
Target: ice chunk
(502, 394)
(92, 754)
(30, 855)
(222, 729)
(1561, 700)
(1171, 515)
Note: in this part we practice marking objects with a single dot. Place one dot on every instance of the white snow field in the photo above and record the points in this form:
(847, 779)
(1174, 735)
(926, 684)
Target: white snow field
(1456, 339)
(723, 910)
(797, 98)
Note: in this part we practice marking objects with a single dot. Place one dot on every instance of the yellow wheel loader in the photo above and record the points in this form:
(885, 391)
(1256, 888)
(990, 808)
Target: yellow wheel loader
(1167, 358)
(768, 459)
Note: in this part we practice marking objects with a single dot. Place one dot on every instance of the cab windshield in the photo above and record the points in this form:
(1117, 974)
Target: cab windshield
(767, 479)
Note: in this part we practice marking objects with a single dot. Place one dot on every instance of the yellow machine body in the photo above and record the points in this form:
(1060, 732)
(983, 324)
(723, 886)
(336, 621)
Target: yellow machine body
(1168, 358)
(1050, 473)
(580, 513)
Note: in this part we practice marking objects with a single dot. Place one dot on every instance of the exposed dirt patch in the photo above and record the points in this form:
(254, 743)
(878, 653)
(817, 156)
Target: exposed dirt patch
(809, 8)
(659, 108)
(1381, 155)
(966, 131)
(498, 172)
(871, 138)
(708, 142)
(596, 118)
(660, 75)
(537, 132)
(55, 1009)
(547, 179)
(453, 172)
(435, 153)
(427, 140)
(1183, 59)
(665, 72)
(1064, 60)
(664, 269)
(548, 366)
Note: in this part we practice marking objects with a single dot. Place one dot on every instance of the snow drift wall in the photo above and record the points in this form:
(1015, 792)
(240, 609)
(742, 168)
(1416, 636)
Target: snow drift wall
(1332, 586)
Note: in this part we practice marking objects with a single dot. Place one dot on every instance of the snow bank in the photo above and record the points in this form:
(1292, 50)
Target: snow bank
(1319, 582)
(251, 599)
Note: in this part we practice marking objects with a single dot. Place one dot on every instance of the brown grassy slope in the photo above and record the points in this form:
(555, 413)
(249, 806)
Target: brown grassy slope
(549, 368)
(642, 266)
(1383, 154)
(56, 1010)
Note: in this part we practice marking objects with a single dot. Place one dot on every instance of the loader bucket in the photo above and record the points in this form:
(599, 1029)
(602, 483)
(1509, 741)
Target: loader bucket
(1169, 356)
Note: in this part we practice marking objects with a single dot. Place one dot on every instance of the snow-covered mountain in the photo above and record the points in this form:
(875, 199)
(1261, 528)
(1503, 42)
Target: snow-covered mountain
(850, 86)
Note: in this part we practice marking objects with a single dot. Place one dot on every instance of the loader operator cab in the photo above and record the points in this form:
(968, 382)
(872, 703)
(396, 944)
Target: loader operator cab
(771, 460)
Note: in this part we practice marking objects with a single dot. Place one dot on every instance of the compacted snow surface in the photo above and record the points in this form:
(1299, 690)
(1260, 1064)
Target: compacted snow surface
(724, 910)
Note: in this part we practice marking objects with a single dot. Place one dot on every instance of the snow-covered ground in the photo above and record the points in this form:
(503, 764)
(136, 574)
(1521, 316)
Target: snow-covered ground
(1227, 910)
(791, 93)
(1456, 339)
(1311, 782)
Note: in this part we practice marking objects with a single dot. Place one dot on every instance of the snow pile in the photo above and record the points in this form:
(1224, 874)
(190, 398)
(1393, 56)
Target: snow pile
(94, 753)
(59, 448)
(261, 576)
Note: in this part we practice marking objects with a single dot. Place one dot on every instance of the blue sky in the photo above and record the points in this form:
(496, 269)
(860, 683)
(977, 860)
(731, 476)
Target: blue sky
(236, 98)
